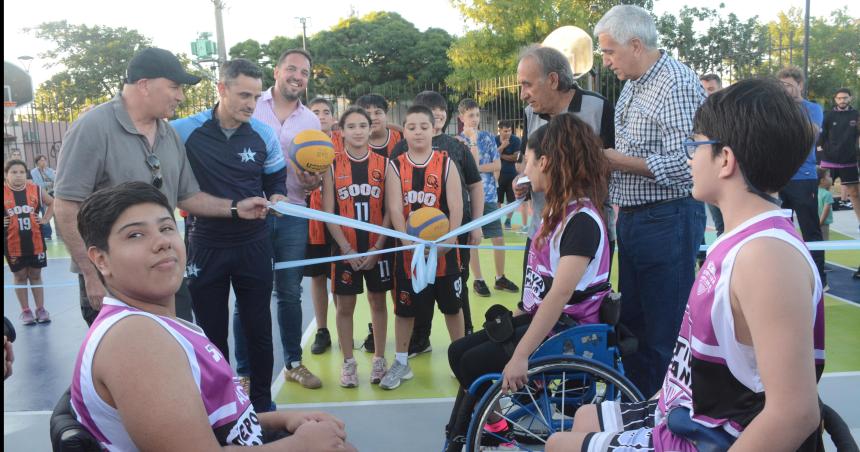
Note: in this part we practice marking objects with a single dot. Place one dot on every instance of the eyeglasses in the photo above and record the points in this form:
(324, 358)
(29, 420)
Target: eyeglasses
(155, 167)
(691, 145)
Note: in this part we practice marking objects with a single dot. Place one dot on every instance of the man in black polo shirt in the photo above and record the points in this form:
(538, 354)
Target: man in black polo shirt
(549, 89)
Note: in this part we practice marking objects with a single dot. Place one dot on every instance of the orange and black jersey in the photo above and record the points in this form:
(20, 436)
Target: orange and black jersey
(337, 141)
(359, 193)
(384, 150)
(316, 229)
(23, 236)
(423, 185)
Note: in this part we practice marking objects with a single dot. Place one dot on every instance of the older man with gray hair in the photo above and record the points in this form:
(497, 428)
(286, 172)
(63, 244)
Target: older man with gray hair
(660, 226)
(549, 89)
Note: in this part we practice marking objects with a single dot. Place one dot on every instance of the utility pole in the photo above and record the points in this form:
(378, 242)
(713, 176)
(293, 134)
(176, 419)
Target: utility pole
(219, 31)
(806, 52)
(304, 21)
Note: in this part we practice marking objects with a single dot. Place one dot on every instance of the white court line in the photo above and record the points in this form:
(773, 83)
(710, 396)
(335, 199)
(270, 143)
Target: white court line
(366, 403)
(311, 329)
(844, 300)
(841, 374)
(27, 413)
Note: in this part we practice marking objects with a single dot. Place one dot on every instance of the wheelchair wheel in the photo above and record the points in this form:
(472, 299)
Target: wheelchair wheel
(839, 431)
(556, 388)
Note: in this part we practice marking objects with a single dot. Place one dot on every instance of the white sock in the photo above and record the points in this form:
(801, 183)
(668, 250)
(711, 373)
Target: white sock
(402, 358)
(479, 279)
(499, 277)
(349, 360)
(295, 364)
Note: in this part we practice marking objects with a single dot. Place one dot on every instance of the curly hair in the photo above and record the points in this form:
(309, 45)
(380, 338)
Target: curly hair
(576, 167)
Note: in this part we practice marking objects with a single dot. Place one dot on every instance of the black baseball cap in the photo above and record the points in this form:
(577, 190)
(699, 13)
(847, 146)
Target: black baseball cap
(158, 63)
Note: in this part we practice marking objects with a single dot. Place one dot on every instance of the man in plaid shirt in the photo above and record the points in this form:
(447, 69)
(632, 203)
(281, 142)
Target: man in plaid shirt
(659, 225)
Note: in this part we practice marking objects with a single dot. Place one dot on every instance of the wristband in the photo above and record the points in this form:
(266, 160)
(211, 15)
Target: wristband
(234, 209)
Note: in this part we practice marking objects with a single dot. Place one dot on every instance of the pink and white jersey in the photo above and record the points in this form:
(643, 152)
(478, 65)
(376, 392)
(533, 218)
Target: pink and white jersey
(543, 263)
(230, 412)
(711, 372)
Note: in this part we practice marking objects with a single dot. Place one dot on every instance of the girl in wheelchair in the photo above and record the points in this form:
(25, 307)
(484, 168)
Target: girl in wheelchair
(751, 346)
(564, 159)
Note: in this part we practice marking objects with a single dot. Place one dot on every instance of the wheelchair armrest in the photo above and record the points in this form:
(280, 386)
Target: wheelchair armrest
(706, 439)
(67, 434)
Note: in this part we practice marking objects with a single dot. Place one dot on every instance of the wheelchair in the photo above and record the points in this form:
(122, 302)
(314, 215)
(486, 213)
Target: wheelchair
(579, 365)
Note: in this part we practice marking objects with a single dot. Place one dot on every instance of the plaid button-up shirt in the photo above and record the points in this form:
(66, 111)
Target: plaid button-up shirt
(653, 117)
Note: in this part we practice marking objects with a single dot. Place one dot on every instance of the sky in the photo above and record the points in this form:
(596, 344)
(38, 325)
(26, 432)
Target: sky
(173, 24)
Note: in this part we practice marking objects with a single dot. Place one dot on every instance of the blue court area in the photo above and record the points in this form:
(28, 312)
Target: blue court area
(409, 418)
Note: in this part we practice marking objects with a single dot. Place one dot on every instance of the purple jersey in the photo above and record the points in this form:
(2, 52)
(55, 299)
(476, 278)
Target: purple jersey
(229, 409)
(711, 372)
(543, 263)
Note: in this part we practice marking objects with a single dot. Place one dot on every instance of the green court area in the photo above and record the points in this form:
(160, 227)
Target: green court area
(433, 377)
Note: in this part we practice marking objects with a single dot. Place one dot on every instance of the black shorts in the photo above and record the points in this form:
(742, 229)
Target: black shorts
(346, 281)
(624, 427)
(314, 252)
(506, 188)
(17, 264)
(447, 291)
(848, 176)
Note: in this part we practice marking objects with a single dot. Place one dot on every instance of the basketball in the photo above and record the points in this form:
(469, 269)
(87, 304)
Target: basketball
(312, 151)
(428, 223)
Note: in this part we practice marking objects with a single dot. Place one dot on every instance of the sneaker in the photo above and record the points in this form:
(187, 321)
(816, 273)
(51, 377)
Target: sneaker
(42, 316)
(245, 383)
(27, 317)
(349, 374)
(826, 287)
(508, 224)
(506, 285)
(322, 341)
(418, 346)
(397, 373)
(302, 376)
(857, 273)
(368, 341)
(481, 288)
(378, 370)
(503, 439)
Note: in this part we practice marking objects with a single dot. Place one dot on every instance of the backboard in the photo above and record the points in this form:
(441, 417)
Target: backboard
(19, 82)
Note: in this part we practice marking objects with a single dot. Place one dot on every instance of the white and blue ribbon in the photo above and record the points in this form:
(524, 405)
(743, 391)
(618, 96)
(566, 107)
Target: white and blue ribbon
(423, 269)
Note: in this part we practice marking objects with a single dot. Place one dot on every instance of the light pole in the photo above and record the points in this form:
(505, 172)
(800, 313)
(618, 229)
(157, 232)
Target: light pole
(219, 31)
(26, 61)
(304, 21)
(806, 52)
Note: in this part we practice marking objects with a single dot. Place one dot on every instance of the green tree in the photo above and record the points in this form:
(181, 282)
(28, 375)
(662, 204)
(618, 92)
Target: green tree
(266, 55)
(378, 52)
(503, 27)
(94, 60)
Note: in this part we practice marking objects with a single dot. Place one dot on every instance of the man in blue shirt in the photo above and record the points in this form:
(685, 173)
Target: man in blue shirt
(509, 152)
(234, 156)
(801, 193)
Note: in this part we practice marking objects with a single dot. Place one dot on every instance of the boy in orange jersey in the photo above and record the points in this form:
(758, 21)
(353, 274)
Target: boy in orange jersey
(23, 244)
(418, 178)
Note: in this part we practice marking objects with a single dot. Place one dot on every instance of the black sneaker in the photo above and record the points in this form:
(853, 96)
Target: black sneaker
(368, 341)
(481, 288)
(418, 346)
(322, 341)
(857, 273)
(506, 285)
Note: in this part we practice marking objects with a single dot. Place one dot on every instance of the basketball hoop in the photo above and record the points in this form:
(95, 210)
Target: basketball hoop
(8, 111)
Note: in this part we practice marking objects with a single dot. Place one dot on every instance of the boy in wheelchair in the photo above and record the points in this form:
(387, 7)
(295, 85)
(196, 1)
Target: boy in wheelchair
(564, 159)
(147, 380)
(751, 346)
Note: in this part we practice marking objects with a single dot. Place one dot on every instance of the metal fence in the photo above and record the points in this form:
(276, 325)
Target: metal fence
(39, 127)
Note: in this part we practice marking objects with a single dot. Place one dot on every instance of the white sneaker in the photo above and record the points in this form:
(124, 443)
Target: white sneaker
(349, 374)
(378, 370)
(395, 375)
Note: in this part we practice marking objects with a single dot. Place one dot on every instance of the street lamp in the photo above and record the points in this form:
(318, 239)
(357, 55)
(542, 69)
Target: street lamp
(26, 61)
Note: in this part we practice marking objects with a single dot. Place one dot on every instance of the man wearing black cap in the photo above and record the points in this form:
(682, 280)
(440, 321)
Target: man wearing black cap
(128, 139)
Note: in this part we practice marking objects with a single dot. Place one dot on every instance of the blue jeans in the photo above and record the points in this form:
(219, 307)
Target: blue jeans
(657, 264)
(289, 240)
